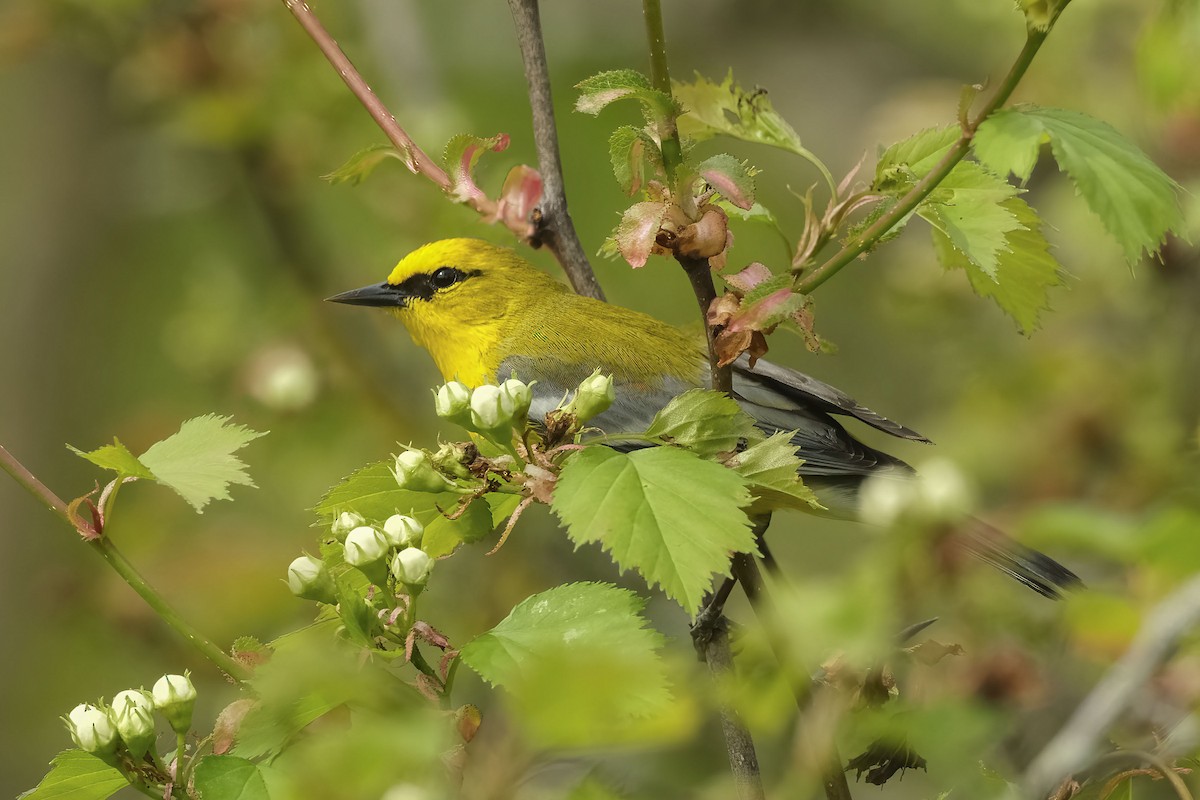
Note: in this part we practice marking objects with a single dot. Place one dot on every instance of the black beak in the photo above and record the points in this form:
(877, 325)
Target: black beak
(377, 294)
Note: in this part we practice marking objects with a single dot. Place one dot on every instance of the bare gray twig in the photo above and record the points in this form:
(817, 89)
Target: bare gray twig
(743, 760)
(555, 228)
(1075, 744)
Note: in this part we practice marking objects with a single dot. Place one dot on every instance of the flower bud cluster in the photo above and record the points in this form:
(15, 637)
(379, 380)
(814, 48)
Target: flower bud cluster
(489, 410)
(128, 724)
(371, 550)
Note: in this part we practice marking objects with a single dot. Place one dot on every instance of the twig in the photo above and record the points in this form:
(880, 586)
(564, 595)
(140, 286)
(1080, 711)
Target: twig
(905, 205)
(745, 570)
(660, 78)
(415, 157)
(700, 276)
(554, 226)
(1073, 746)
(743, 760)
(104, 546)
(1159, 766)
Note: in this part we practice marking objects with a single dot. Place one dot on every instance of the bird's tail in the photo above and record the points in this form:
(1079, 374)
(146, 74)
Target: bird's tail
(1036, 570)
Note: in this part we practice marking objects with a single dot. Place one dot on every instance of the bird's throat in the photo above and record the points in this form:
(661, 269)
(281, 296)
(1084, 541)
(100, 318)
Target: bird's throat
(464, 354)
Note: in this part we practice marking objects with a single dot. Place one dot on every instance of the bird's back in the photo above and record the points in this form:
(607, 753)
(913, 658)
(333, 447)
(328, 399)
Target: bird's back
(563, 337)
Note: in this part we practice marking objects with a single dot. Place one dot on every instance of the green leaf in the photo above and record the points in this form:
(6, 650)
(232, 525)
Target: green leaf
(596, 616)
(372, 492)
(968, 207)
(584, 634)
(600, 90)
(1136, 201)
(310, 674)
(1009, 141)
(770, 467)
(703, 421)
(116, 457)
(229, 778)
(1025, 272)
(198, 461)
(629, 149)
(625, 150)
(733, 179)
(443, 536)
(899, 167)
(76, 775)
(350, 587)
(662, 511)
(459, 158)
(914, 156)
(726, 108)
(363, 163)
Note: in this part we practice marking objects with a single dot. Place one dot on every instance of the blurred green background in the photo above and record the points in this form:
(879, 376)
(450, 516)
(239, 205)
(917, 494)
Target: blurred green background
(167, 240)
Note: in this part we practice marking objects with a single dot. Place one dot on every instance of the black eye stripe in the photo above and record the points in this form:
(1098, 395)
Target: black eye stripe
(423, 286)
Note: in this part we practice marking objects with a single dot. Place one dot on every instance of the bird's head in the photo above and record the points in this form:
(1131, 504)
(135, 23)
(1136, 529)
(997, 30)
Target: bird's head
(457, 295)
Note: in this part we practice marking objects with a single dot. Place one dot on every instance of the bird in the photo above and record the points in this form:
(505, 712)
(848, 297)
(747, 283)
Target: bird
(484, 313)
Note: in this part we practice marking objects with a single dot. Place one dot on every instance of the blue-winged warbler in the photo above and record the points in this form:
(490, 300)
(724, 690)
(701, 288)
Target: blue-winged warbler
(484, 314)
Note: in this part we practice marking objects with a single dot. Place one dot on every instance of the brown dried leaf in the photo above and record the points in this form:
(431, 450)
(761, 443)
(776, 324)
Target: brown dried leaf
(429, 687)
(722, 309)
(228, 722)
(706, 238)
(540, 483)
(731, 344)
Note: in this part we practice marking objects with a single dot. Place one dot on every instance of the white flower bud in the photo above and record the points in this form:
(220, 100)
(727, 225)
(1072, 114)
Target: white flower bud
(174, 696)
(594, 397)
(346, 522)
(516, 397)
(364, 546)
(453, 402)
(414, 472)
(402, 531)
(412, 566)
(488, 411)
(133, 714)
(308, 578)
(92, 729)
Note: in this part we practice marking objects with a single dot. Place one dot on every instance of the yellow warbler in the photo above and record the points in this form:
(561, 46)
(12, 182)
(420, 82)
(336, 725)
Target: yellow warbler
(484, 313)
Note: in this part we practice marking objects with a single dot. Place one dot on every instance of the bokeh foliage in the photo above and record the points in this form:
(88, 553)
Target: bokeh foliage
(168, 240)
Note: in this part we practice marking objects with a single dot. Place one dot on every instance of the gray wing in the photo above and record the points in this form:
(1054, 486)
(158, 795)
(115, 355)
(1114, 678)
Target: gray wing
(771, 386)
(778, 399)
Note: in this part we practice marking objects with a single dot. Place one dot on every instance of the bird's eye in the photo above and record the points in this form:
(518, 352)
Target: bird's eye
(443, 277)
